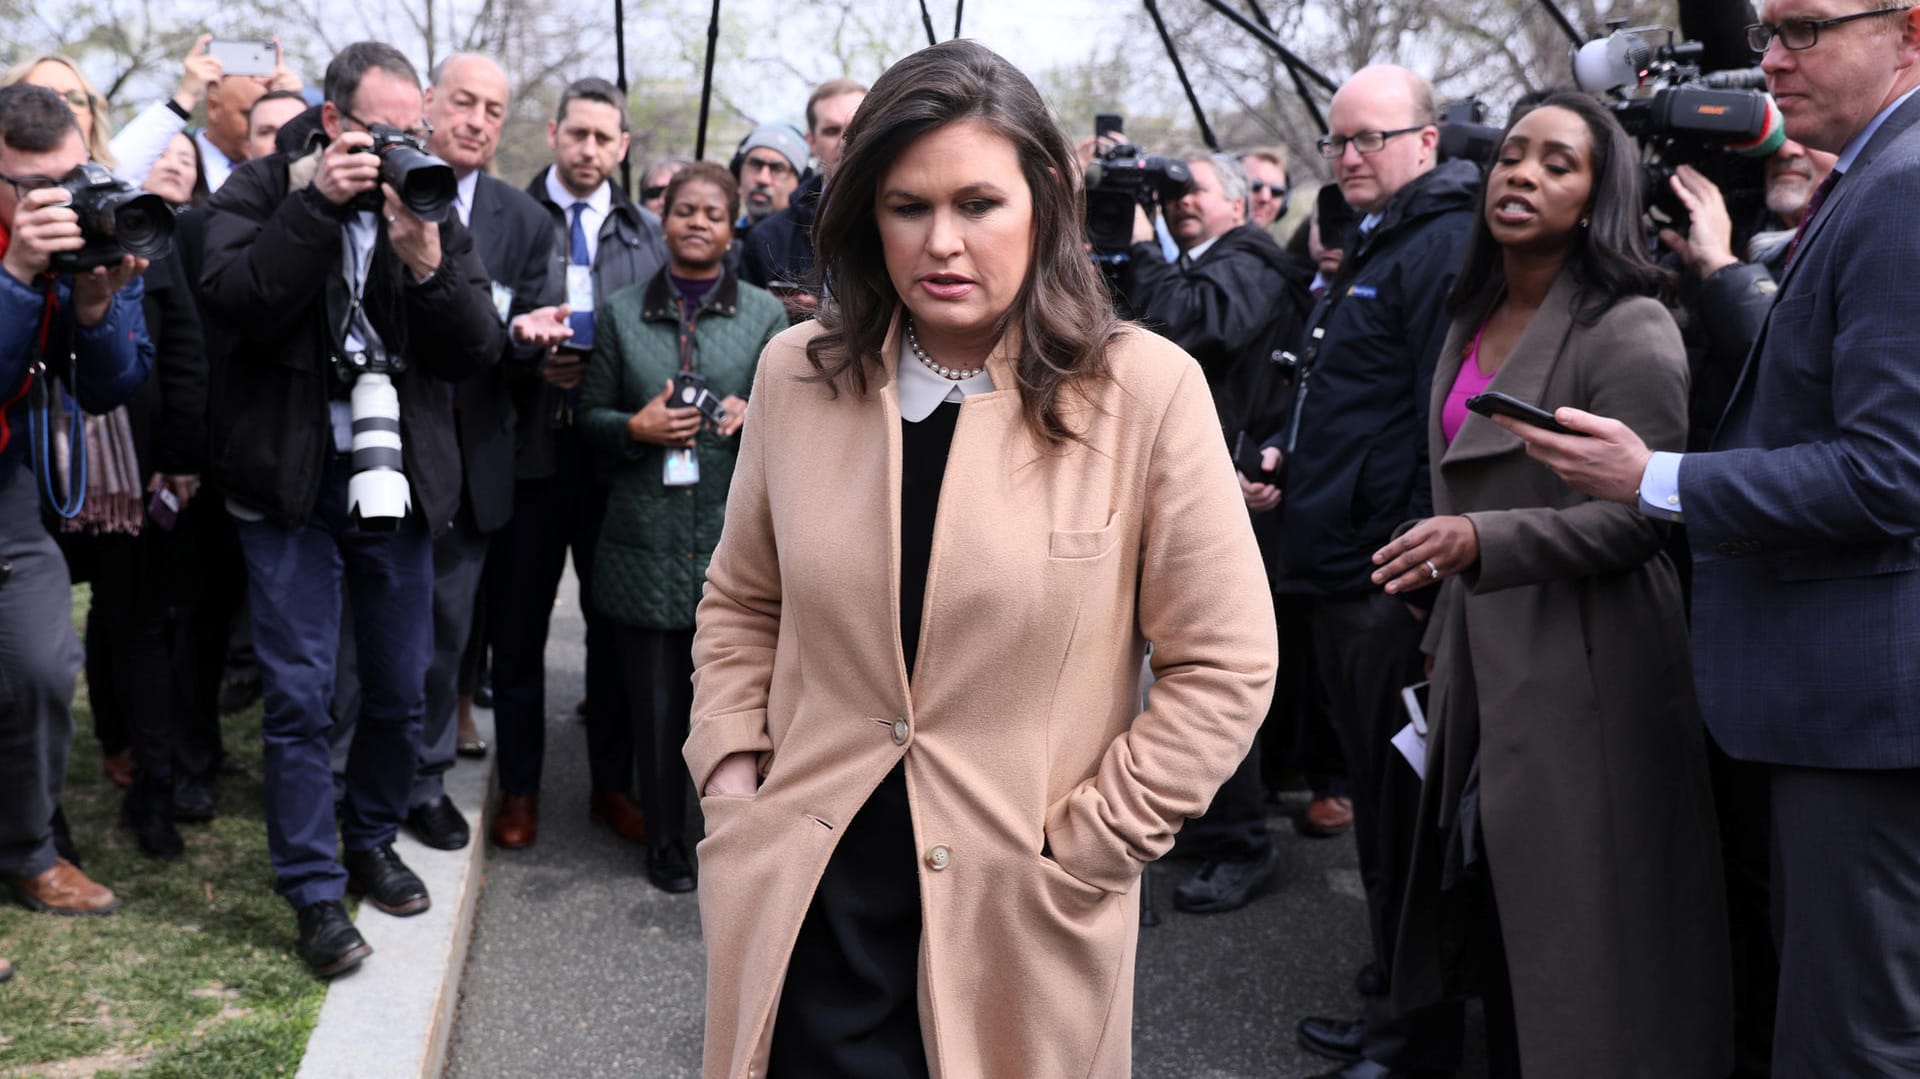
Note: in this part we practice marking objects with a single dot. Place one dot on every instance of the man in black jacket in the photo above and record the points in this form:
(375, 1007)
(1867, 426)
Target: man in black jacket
(1352, 455)
(1233, 299)
(316, 266)
(778, 252)
(603, 243)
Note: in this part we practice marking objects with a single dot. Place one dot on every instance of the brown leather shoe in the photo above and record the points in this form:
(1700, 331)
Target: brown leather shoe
(518, 822)
(618, 812)
(1327, 815)
(62, 889)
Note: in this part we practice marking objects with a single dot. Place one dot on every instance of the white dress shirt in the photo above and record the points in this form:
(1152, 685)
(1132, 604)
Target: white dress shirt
(599, 204)
(463, 190)
(213, 162)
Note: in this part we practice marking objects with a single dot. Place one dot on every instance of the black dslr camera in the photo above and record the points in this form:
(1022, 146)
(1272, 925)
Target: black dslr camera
(425, 183)
(1122, 177)
(690, 391)
(116, 219)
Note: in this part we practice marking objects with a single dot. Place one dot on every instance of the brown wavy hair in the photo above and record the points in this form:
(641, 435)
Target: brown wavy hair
(1062, 316)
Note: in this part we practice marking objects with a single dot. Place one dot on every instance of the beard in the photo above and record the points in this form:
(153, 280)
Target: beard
(1787, 194)
(759, 201)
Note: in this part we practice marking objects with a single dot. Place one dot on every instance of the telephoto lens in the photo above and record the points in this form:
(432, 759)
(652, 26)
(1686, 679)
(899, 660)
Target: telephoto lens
(425, 184)
(378, 497)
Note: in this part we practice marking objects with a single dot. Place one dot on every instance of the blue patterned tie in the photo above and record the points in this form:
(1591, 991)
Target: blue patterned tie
(582, 321)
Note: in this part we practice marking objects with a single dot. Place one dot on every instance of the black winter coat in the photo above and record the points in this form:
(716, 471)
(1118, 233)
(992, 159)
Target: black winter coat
(779, 250)
(272, 276)
(1355, 436)
(631, 251)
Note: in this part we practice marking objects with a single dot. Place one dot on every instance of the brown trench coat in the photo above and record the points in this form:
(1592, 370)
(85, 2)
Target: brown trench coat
(1022, 730)
(1563, 659)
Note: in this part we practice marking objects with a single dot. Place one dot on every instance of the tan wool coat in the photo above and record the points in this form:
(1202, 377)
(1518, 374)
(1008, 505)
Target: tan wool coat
(1562, 659)
(1038, 786)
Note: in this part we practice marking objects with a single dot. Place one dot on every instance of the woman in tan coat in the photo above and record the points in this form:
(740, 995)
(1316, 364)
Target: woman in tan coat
(966, 499)
(1567, 765)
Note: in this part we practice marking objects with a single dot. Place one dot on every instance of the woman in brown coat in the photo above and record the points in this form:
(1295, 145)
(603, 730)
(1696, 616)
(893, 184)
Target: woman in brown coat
(1567, 760)
(966, 499)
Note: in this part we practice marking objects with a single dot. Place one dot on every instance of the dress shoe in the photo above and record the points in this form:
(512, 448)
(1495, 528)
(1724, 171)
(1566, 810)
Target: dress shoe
(617, 811)
(118, 768)
(1327, 815)
(1222, 884)
(1359, 1069)
(517, 823)
(439, 824)
(193, 800)
(1336, 1039)
(147, 811)
(328, 941)
(385, 880)
(63, 889)
(668, 868)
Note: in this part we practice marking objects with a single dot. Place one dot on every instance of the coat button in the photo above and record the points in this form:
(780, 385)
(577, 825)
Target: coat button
(939, 856)
(900, 732)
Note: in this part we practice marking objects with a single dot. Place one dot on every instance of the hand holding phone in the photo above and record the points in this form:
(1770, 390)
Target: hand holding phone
(1500, 404)
(244, 57)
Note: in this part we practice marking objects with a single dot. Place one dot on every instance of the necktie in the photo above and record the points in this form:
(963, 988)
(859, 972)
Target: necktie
(582, 321)
(1813, 207)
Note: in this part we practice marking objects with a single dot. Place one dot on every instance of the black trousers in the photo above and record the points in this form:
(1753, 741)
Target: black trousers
(1298, 734)
(1846, 914)
(1740, 795)
(524, 565)
(211, 627)
(656, 671)
(1369, 649)
(134, 639)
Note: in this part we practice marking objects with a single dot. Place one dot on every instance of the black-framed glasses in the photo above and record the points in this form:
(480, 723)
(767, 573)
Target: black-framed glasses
(1798, 34)
(1261, 187)
(777, 166)
(27, 185)
(1367, 142)
(418, 134)
(648, 194)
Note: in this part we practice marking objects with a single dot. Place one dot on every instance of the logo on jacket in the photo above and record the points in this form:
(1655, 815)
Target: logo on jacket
(1365, 292)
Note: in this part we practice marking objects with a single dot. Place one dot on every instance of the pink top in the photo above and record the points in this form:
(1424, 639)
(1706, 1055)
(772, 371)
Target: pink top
(1471, 382)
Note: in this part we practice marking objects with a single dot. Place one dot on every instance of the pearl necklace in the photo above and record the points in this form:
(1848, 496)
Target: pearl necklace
(948, 373)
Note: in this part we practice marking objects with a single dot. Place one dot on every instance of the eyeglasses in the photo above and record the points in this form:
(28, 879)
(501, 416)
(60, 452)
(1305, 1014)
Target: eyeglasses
(1798, 34)
(27, 185)
(419, 134)
(76, 98)
(648, 194)
(1261, 187)
(1367, 142)
(775, 166)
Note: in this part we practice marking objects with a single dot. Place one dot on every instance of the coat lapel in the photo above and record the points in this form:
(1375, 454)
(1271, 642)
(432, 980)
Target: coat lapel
(1524, 375)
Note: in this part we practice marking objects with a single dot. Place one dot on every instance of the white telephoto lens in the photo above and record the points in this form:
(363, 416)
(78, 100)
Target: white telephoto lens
(378, 497)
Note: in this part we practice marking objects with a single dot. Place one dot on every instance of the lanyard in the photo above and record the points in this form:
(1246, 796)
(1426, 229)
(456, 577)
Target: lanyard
(40, 389)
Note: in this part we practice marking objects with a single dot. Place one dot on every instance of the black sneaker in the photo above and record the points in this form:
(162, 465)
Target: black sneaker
(193, 800)
(439, 824)
(147, 810)
(668, 868)
(385, 880)
(328, 941)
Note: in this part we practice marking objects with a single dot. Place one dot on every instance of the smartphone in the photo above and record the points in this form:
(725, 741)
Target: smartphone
(1246, 458)
(243, 57)
(1499, 404)
(163, 509)
(1414, 699)
(1109, 123)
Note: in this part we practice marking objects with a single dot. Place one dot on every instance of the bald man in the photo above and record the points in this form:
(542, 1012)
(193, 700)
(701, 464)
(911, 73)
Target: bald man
(1367, 361)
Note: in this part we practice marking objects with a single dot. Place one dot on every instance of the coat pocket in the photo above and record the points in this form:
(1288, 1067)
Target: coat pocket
(1085, 543)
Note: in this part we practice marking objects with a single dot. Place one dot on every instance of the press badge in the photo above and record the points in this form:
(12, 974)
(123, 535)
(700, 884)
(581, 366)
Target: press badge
(580, 288)
(502, 300)
(682, 468)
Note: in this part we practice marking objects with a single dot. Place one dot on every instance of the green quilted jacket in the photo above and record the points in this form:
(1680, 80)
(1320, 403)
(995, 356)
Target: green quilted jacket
(652, 560)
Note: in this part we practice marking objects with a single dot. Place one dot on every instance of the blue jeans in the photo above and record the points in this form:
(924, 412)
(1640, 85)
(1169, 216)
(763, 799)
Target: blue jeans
(294, 577)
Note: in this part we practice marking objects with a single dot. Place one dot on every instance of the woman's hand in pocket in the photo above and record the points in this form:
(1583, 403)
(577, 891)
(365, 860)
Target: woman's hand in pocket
(737, 774)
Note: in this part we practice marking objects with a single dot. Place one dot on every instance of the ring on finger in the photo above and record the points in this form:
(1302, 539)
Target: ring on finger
(1433, 572)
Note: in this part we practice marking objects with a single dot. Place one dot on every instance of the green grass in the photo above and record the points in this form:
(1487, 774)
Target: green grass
(194, 975)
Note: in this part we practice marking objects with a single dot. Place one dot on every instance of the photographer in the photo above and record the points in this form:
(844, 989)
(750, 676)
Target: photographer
(1231, 299)
(325, 277)
(94, 318)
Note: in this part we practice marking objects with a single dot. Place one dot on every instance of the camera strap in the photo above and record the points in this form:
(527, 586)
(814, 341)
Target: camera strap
(41, 386)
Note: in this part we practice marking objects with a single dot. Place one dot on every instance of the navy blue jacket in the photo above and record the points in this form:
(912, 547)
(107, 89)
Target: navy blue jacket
(111, 358)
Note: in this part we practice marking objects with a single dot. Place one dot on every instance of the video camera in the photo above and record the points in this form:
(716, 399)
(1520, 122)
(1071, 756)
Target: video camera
(1721, 122)
(116, 220)
(1120, 178)
(690, 390)
(425, 183)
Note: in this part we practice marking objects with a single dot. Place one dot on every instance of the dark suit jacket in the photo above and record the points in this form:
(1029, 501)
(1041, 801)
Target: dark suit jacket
(1805, 515)
(515, 242)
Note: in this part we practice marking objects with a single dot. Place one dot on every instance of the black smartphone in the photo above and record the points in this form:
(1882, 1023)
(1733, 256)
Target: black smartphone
(1246, 458)
(1499, 404)
(1109, 123)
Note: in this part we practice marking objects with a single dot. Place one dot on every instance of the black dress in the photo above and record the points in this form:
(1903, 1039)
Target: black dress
(851, 1008)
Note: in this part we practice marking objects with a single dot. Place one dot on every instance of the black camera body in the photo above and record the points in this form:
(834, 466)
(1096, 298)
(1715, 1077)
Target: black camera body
(1122, 177)
(116, 219)
(425, 184)
(690, 390)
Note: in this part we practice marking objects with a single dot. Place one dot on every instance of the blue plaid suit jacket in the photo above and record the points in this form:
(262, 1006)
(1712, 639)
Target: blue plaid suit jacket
(1805, 516)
